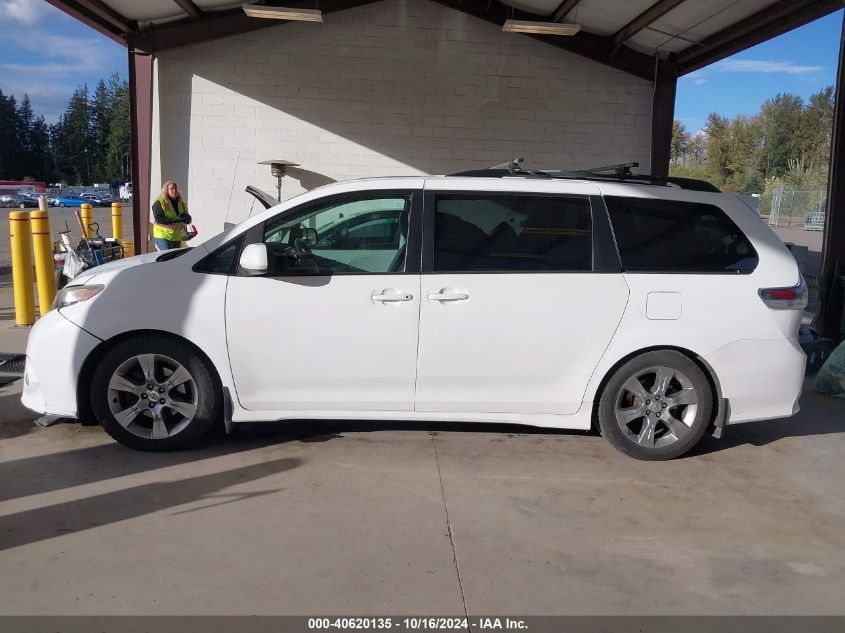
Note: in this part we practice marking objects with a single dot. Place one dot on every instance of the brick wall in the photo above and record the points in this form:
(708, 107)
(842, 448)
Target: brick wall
(399, 87)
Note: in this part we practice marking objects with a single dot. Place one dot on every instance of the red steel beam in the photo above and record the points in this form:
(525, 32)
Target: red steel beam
(829, 320)
(141, 119)
(662, 116)
(75, 10)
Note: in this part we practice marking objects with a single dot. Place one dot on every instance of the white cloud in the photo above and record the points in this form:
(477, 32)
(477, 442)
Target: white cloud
(763, 66)
(24, 11)
(74, 56)
(59, 64)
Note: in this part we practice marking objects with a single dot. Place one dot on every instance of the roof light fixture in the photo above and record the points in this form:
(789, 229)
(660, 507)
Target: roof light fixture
(282, 13)
(540, 28)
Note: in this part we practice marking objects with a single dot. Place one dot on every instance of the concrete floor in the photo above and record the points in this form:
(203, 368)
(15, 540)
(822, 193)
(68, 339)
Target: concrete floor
(316, 518)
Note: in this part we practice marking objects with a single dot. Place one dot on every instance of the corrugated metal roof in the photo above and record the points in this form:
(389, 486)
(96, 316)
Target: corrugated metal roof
(622, 33)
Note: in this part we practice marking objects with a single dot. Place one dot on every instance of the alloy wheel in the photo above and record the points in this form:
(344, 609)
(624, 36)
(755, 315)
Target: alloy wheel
(656, 407)
(152, 396)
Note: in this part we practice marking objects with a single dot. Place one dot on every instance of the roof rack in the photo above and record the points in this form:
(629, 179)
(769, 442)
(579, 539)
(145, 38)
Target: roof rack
(618, 173)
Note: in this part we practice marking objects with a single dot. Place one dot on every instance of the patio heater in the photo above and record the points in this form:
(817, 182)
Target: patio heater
(277, 169)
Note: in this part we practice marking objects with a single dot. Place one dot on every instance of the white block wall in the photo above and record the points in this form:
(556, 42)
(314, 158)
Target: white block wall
(400, 87)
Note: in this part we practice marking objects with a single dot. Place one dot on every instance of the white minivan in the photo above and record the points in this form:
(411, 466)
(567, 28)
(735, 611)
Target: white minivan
(651, 313)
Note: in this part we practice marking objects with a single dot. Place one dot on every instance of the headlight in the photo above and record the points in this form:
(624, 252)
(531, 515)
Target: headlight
(74, 294)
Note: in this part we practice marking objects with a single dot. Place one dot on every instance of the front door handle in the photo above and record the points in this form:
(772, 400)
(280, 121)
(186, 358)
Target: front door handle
(448, 296)
(403, 296)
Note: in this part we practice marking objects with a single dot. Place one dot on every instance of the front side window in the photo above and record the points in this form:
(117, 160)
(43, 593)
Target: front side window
(674, 236)
(512, 233)
(364, 235)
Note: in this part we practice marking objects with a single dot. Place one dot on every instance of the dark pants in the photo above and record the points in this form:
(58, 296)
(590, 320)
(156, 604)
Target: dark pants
(164, 245)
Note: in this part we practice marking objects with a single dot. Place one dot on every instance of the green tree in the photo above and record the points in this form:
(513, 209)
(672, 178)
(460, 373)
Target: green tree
(781, 126)
(100, 118)
(24, 123)
(717, 147)
(42, 168)
(117, 154)
(741, 155)
(680, 147)
(816, 127)
(75, 147)
(9, 139)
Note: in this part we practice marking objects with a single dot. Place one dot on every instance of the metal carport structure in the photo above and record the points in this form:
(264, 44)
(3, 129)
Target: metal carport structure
(657, 40)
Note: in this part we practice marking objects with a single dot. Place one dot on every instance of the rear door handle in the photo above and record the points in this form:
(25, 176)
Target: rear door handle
(397, 297)
(448, 296)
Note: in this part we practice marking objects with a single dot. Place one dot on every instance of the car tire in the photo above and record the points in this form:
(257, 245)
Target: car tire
(122, 400)
(61, 204)
(656, 406)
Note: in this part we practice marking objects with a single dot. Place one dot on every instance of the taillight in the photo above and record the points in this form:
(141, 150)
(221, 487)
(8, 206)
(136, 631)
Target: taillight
(792, 298)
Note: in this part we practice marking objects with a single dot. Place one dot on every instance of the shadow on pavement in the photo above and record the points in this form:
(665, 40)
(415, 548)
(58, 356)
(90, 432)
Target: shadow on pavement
(819, 415)
(16, 421)
(67, 469)
(74, 516)
(57, 471)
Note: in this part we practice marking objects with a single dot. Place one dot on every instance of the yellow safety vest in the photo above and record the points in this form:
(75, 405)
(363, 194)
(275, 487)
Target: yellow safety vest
(174, 232)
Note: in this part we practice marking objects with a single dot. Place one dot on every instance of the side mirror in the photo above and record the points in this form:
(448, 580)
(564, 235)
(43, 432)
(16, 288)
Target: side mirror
(254, 259)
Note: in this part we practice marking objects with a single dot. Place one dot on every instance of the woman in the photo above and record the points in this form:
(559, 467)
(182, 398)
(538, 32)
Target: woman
(171, 215)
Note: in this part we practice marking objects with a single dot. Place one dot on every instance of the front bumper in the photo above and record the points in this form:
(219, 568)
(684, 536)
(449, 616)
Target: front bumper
(55, 352)
(762, 379)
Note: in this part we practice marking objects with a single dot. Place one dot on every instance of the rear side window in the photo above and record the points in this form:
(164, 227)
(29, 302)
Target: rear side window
(677, 237)
(511, 233)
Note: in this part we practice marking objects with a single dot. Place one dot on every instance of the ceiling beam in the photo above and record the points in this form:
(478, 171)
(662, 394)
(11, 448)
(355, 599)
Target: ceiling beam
(93, 20)
(220, 24)
(108, 14)
(562, 9)
(774, 20)
(190, 8)
(590, 45)
(649, 16)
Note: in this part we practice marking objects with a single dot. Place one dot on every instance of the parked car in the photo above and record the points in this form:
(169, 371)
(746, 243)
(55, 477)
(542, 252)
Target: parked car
(652, 313)
(93, 199)
(98, 199)
(18, 201)
(69, 201)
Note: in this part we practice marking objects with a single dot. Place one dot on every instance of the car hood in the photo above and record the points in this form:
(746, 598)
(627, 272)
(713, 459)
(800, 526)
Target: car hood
(120, 264)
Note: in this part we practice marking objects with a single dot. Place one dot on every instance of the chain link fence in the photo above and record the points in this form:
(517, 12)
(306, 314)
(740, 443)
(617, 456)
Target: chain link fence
(799, 209)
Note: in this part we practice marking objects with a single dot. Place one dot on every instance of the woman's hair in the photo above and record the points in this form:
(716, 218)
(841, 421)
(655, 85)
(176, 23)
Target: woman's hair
(164, 187)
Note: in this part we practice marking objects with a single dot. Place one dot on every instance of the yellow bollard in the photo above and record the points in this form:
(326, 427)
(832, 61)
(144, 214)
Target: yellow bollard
(128, 247)
(117, 221)
(87, 214)
(42, 246)
(19, 231)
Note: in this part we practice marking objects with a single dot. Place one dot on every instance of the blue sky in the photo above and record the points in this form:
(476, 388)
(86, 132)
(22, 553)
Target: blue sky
(47, 54)
(802, 62)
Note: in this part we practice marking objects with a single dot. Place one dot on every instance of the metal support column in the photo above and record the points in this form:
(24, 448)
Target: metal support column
(833, 250)
(141, 117)
(662, 116)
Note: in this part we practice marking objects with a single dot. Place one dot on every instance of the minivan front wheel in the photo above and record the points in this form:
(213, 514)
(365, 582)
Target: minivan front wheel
(656, 406)
(155, 394)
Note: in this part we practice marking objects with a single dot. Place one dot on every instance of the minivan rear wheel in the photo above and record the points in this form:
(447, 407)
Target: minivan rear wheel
(155, 393)
(656, 406)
